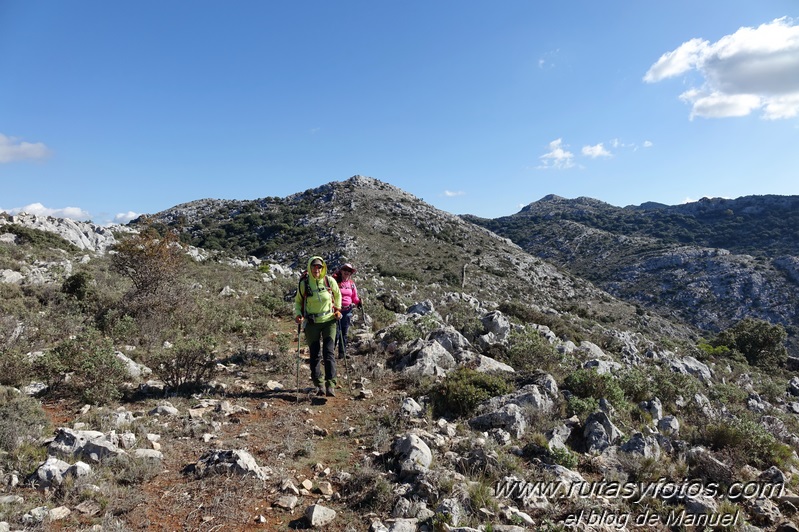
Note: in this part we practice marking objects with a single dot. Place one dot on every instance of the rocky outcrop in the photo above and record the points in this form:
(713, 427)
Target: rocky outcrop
(83, 235)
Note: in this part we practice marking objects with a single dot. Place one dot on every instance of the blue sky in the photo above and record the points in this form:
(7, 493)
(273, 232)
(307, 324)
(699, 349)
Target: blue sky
(112, 109)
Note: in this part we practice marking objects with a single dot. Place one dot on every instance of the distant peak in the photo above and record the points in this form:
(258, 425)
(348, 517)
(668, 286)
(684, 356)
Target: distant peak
(552, 197)
(358, 179)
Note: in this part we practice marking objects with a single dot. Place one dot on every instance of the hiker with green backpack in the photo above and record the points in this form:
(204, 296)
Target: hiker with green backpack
(318, 304)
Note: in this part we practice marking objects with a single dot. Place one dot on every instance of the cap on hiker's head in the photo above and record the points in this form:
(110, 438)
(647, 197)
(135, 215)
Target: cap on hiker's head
(348, 268)
(316, 262)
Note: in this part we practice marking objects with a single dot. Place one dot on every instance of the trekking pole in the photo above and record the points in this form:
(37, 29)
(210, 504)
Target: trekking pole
(297, 392)
(343, 352)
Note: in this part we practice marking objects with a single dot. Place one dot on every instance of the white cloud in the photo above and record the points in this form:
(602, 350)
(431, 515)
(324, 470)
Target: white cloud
(12, 149)
(547, 59)
(596, 151)
(720, 105)
(125, 217)
(557, 157)
(451, 194)
(617, 144)
(751, 69)
(679, 61)
(74, 213)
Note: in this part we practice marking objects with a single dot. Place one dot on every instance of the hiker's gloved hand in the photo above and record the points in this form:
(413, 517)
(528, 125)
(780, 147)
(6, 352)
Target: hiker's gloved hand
(337, 314)
(298, 319)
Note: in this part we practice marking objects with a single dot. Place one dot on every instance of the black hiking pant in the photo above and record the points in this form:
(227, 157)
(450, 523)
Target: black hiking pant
(321, 339)
(344, 325)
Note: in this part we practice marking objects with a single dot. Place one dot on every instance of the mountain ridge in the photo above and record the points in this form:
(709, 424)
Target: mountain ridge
(711, 262)
(387, 231)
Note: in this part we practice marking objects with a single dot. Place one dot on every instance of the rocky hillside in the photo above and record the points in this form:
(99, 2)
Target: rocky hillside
(711, 263)
(388, 232)
(164, 387)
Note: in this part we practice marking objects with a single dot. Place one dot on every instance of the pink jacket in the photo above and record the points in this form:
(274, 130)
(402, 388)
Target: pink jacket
(349, 294)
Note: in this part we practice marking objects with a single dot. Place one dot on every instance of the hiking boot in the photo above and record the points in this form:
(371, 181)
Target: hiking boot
(329, 391)
(319, 391)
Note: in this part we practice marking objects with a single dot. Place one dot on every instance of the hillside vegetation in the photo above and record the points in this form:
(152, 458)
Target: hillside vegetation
(161, 384)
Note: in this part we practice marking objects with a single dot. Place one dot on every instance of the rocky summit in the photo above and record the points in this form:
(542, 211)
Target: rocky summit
(490, 381)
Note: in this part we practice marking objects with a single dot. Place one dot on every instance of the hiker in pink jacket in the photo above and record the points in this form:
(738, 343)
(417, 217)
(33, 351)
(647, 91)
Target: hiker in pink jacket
(349, 300)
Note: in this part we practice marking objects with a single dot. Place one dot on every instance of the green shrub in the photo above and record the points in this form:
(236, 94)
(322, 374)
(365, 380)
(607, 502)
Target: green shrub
(368, 489)
(580, 407)
(190, 362)
(124, 328)
(748, 439)
(728, 394)
(129, 470)
(22, 419)
(96, 374)
(464, 318)
(636, 384)
(707, 350)
(525, 314)
(380, 315)
(668, 385)
(16, 368)
(587, 383)
(564, 457)
(78, 285)
(481, 495)
(38, 238)
(463, 389)
(403, 332)
(762, 343)
(529, 351)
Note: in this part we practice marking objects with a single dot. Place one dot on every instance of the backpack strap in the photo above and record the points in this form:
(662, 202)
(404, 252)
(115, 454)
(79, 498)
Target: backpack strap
(304, 277)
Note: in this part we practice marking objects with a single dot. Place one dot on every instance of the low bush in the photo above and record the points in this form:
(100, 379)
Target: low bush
(463, 389)
(15, 368)
(130, 470)
(587, 383)
(78, 285)
(368, 489)
(22, 419)
(188, 363)
(96, 375)
(636, 385)
(748, 441)
(581, 407)
(381, 316)
(404, 332)
(528, 351)
(463, 318)
(564, 457)
(37, 238)
(526, 314)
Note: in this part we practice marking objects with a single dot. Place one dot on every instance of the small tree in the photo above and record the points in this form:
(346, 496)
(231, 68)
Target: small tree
(154, 265)
(760, 342)
(151, 262)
